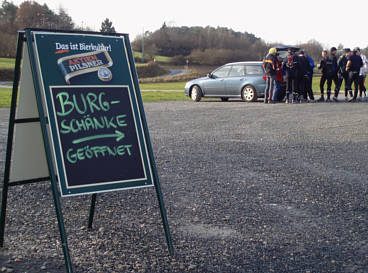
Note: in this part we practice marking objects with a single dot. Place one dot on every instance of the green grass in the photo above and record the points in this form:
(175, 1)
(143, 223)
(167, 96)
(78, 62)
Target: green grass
(178, 86)
(162, 59)
(7, 63)
(163, 96)
(5, 97)
(316, 89)
(169, 91)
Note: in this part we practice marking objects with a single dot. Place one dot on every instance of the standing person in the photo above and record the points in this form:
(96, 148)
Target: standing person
(333, 58)
(278, 79)
(343, 75)
(327, 74)
(309, 78)
(362, 74)
(353, 67)
(290, 66)
(304, 66)
(269, 65)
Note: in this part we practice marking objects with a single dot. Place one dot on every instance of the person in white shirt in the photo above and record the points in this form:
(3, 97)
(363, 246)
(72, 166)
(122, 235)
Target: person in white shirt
(362, 75)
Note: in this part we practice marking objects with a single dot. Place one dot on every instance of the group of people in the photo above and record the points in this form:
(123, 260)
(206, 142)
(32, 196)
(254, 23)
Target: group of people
(297, 69)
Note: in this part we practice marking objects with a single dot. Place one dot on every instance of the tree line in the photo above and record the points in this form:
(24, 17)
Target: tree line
(196, 45)
(33, 15)
(211, 46)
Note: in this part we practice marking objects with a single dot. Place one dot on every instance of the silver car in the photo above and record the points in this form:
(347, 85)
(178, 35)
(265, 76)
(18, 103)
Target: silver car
(245, 80)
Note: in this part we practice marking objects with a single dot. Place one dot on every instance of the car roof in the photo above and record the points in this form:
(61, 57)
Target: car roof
(285, 48)
(250, 62)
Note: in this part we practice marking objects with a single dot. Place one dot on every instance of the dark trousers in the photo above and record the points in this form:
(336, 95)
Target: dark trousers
(343, 77)
(324, 78)
(269, 87)
(291, 86)
(361, 85)
(308, 88)
(353, 78)
(302, 87)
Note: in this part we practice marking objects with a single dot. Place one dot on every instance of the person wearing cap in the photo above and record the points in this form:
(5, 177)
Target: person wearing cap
(362, 74)
(343, 75)
(270, 66)
(290, 66)
(326, 65)
(353, 67)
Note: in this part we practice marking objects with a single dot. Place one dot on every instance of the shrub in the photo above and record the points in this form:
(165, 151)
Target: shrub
(151, 70)
(6, 74)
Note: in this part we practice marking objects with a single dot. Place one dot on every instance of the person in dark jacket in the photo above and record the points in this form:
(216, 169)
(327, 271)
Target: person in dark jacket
(326, 65)
(290, 66)
(353, 67)
(333, 58)
(309, 79)
(302, 78)
(270, 66)
(343, 75)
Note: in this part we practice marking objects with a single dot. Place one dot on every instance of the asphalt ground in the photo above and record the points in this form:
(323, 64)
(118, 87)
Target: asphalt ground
(248, 187)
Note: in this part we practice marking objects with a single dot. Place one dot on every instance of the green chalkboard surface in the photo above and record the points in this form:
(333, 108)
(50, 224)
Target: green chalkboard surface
(92, 102)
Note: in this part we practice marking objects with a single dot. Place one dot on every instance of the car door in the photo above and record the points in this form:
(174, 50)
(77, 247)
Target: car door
(234, 81)
(215, 85)
(255, 77)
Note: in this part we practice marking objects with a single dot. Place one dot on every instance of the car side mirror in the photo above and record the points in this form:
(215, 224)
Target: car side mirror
(209, 75)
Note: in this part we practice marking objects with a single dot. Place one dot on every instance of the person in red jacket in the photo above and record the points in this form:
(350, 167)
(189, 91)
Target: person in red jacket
(278, 80)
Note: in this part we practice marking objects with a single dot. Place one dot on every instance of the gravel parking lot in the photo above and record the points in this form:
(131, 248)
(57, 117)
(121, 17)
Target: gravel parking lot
(247, 187)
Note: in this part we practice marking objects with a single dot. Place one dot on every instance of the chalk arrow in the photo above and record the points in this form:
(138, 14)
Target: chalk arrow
(119, 136)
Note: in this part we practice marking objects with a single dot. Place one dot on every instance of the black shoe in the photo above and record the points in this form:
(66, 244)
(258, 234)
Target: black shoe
(335, 99)
(328, 100)
(321, 99)
(265, 100)
(352, 99)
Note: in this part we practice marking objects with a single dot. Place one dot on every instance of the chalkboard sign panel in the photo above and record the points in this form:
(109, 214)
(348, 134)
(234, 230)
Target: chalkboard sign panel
(96, 123)
(97, 133)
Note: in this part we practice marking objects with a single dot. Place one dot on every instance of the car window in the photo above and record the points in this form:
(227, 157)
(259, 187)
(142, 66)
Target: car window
(236, 71)
(254, 69)
(222, 72)
(282, 54)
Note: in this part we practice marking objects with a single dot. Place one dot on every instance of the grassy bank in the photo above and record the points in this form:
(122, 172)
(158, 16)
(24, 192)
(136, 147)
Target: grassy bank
(7, 63)
(5, 96)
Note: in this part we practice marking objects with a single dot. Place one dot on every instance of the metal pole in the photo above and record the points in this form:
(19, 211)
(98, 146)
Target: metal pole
(92, 210)
(9, 146)
(143, 46)
(47, 144)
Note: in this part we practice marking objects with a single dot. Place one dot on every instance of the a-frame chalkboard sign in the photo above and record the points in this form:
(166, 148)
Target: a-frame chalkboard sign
(80, 121)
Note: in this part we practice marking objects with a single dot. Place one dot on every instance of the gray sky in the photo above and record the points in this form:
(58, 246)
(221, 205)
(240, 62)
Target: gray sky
(286, 21)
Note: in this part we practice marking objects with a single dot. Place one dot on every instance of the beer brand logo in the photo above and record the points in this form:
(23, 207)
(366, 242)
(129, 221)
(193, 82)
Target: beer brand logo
(80, 64)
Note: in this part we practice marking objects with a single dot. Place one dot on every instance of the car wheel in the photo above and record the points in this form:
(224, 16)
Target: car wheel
(224, 99)
(196, 93)
(248, 94)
